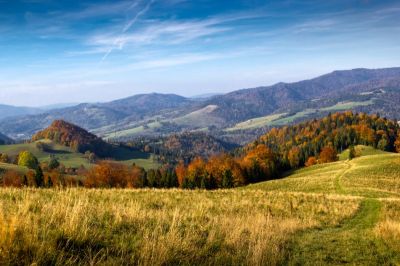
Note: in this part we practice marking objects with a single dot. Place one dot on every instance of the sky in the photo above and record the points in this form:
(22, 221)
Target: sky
(72, 51)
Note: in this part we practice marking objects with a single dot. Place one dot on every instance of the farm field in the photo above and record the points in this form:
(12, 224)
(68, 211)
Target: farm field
(337, 213)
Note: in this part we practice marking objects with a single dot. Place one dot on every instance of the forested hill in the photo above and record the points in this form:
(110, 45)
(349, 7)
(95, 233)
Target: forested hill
(294, 145)
(77, 138)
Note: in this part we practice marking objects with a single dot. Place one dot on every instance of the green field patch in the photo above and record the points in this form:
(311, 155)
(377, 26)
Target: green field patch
(361, 150)
(256, 122)
(133, 131)
(347, 105)
(69, 158)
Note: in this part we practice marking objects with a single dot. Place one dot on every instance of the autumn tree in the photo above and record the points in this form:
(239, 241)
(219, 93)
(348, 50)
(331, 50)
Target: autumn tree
(311, 161)
(260, 164)
(196, 172)
(107, 174)
(181, 173)
(327, 155)
(294, 157)
(27, 159)
(12, 178)
(397, 143)
(4, 158)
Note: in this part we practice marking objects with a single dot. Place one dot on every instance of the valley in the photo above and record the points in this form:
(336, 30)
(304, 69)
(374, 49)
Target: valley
(360, 90)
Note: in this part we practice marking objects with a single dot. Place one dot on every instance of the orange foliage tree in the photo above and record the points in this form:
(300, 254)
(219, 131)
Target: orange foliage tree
(327, 155)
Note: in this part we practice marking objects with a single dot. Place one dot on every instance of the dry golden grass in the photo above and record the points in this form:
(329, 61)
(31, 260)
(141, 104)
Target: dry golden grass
(346, 211)
(158, 227)
(389, 226)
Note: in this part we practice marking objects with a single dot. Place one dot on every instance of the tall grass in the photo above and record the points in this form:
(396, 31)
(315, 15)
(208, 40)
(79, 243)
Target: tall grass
(158, 227)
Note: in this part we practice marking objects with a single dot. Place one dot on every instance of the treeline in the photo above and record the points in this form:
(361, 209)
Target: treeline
(290, 147)
(181, 147)
(295, 145)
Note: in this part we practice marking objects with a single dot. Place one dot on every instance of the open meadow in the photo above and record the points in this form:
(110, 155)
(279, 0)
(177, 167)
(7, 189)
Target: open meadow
(347, 212)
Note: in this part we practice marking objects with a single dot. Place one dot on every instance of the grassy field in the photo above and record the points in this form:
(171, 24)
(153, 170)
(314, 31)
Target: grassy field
(347, 212)
(72, 159)
(64, 154)
(285, 119)
(256, 122)
(361, 150)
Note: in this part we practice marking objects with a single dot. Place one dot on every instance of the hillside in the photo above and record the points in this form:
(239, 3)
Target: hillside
(76, 138)
(5, 140)
(14, 111)
(111, 115)
(366, 90)
(64, 154)
(183, 147)
(339, 213)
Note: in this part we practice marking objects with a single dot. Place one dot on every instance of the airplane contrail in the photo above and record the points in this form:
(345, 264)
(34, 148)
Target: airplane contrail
(127, 27)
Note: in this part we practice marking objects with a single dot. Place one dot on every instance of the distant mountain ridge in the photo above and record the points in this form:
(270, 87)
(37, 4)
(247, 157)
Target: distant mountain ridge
(12, 111)
(5, 140)
(367, 90)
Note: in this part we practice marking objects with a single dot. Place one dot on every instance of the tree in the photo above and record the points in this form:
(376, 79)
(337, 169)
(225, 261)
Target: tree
(294, 157)
(327, 155)
(53, 163)
(4, 158)
(311, 161)
(39, 178)
(397, 142)
(352, 152)
(196, 172)
(181, 173)
(227, 179)
(383, 144)
(27, 159)
(12, 178)
(107, 174)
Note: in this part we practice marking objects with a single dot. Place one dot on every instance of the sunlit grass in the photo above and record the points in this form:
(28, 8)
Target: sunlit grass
(342, 212)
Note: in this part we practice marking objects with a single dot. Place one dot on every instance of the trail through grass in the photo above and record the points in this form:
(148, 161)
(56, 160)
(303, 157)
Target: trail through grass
(352, 242)
(346, 212)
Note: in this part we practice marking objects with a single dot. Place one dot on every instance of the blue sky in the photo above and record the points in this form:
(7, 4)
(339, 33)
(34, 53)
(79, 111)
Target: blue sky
(54, 51)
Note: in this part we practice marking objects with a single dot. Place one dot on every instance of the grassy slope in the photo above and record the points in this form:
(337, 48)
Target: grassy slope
(282, 119)
(72, 159)
(64, 154)
(367, 237)
(347, 212)
(362, 150)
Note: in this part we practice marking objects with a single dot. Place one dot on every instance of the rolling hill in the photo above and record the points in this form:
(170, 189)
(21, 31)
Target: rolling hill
(13, 111)
(366, 90)
(345, 212)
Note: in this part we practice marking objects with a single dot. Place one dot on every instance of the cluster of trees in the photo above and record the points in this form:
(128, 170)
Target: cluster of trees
(77, 138)
(181, 147)
(46, 174)
(113, 174)
(294, 145)
(290, 147)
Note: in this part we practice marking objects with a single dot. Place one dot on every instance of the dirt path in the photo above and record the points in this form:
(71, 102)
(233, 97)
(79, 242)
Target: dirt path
(338, 184)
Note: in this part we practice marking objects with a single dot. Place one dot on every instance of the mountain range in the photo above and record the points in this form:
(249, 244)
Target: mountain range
(366, 90)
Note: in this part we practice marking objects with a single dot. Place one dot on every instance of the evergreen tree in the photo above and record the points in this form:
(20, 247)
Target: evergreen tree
(39, 178)
(352, 152)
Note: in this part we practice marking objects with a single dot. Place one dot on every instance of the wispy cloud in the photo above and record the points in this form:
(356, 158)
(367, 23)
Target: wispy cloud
(117, 41)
